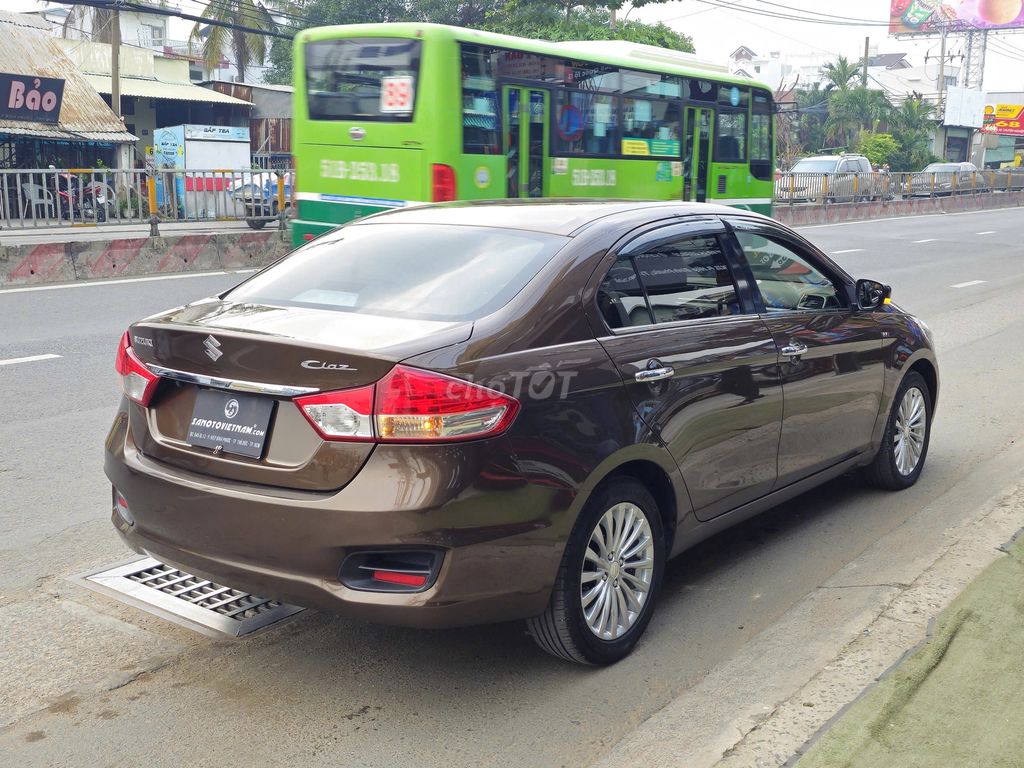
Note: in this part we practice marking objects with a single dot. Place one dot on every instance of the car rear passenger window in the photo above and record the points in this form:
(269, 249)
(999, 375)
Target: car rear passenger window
(620, 299)
(688, 279)
(787, 280)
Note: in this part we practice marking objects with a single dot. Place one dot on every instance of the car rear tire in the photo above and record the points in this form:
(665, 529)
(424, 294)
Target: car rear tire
(608, 580)
(900, 459)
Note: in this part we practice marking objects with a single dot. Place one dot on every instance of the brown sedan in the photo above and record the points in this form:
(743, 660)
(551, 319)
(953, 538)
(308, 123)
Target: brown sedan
(470, 413)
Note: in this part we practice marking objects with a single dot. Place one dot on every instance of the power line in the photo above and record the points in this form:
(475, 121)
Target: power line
(793, 17)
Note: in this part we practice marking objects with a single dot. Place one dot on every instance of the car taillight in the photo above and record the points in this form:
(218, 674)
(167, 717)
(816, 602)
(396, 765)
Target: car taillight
(410, 405)
(442, 182)
(418, 405)
(137, 381)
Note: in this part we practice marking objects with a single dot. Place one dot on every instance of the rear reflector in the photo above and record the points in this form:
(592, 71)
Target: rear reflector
(401, 571)
(410, 405)
(405, 579)
(308, 236)
(137, 381)
(442, 183)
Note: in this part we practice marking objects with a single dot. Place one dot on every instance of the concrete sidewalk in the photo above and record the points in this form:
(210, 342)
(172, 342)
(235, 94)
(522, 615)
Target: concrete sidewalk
(958, 700)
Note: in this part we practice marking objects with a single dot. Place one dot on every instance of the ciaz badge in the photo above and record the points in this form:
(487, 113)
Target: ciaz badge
(319, 365)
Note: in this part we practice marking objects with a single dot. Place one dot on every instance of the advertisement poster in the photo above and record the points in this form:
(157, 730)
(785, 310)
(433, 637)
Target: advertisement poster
(930, 16)
(1004, 119)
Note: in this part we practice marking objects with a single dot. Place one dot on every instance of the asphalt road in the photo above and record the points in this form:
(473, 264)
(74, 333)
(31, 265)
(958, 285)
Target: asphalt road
(87, 681)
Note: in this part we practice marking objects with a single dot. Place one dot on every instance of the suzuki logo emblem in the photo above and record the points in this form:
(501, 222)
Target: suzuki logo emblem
(212, 348)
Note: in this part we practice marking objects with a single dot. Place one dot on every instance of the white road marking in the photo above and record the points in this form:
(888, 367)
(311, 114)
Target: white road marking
(968, 284)
(848, 250)
(115, 281)
(32, 359)
(926, 240)
(990, 232)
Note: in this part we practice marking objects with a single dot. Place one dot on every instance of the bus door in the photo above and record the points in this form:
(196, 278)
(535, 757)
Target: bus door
(696, 148)
(525, 129)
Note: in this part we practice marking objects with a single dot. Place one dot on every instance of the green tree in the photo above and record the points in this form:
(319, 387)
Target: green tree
(562, 20)
(812, 112)
(912, 124)
(840, 73)
(853, 109)
(880, 148)
(246, 47)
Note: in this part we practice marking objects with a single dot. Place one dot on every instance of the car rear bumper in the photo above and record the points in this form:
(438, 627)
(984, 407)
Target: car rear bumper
(501, 538)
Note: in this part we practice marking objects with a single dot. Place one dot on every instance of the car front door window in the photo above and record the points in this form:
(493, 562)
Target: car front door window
(787, 280)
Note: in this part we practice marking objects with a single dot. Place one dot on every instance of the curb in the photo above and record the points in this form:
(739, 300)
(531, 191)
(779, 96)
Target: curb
(130, 257)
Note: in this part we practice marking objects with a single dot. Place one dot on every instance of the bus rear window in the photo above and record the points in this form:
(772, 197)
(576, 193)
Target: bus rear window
(362, 79)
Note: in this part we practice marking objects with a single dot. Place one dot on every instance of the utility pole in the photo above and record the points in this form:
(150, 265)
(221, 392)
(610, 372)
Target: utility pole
(867, 53)
(115, 61)
(942, 69)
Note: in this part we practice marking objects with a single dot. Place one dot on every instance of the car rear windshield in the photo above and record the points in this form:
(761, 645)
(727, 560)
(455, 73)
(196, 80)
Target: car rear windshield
(936, 167)
(420, 271)
(814, 166)
(362, 79)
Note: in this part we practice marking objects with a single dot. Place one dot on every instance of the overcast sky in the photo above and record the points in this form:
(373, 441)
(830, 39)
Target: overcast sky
(717, 32)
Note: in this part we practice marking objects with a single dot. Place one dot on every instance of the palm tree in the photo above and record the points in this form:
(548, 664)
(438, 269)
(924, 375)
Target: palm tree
(247, 47)
(853, 109)
(840, 73)
(912, 124)
(99, 28)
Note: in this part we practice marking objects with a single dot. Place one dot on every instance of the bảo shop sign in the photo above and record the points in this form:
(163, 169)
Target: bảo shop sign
(27, 97)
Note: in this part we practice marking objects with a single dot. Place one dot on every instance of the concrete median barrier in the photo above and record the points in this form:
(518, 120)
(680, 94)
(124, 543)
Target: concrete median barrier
(836, 213)
(124, 257)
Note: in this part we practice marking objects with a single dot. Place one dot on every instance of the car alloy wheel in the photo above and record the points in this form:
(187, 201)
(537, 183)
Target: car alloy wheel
(908, 438)
(617, 571)
(607, 583)
(901, 456)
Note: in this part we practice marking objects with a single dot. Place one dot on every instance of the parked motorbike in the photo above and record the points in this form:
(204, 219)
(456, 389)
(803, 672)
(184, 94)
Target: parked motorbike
(78, 200)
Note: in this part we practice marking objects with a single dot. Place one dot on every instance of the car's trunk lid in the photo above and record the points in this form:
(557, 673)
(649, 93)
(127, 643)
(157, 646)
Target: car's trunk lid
(270, 353)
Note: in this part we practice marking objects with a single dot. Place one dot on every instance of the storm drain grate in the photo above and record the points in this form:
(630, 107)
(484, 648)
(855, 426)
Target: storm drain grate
(190, 600)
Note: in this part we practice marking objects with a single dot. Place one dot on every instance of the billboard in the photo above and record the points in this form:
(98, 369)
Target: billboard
(929, 16)
(1004, 119)
(965, 107)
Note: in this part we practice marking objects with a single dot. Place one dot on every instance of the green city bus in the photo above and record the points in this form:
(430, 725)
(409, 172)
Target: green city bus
(389, 115)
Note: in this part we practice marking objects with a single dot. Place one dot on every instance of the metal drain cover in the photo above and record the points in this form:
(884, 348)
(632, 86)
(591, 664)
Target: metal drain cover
(189, 600)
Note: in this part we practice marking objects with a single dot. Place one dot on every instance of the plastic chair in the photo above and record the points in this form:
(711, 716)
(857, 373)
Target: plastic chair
(35, 195)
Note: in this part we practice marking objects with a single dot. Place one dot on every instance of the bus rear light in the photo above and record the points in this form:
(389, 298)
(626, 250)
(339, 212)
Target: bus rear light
(442, 182)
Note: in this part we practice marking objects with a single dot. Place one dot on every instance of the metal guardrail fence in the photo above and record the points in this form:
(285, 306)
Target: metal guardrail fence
(821, 188)
(70, 197)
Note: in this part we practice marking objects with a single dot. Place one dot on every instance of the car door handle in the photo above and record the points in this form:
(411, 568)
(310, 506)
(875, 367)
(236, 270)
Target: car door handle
(794, 349)
(654, 374)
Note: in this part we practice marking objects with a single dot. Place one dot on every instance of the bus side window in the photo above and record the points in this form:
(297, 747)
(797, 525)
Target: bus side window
(586, 123)
(480, 127)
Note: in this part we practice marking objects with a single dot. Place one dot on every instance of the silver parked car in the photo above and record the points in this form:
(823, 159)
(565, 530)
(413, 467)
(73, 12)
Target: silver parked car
(829, 179)
(943, 179)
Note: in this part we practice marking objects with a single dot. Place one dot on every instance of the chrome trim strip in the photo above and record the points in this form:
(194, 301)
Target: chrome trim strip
(230, 384)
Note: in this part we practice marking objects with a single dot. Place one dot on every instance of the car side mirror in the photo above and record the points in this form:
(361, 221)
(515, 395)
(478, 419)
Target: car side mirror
(872, 294)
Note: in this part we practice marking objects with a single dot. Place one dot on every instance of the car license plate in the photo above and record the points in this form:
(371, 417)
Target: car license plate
(234, 423)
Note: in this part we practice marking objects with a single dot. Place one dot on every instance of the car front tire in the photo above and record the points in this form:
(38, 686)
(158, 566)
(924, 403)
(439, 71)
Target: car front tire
(901, 457)
(607, 583)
